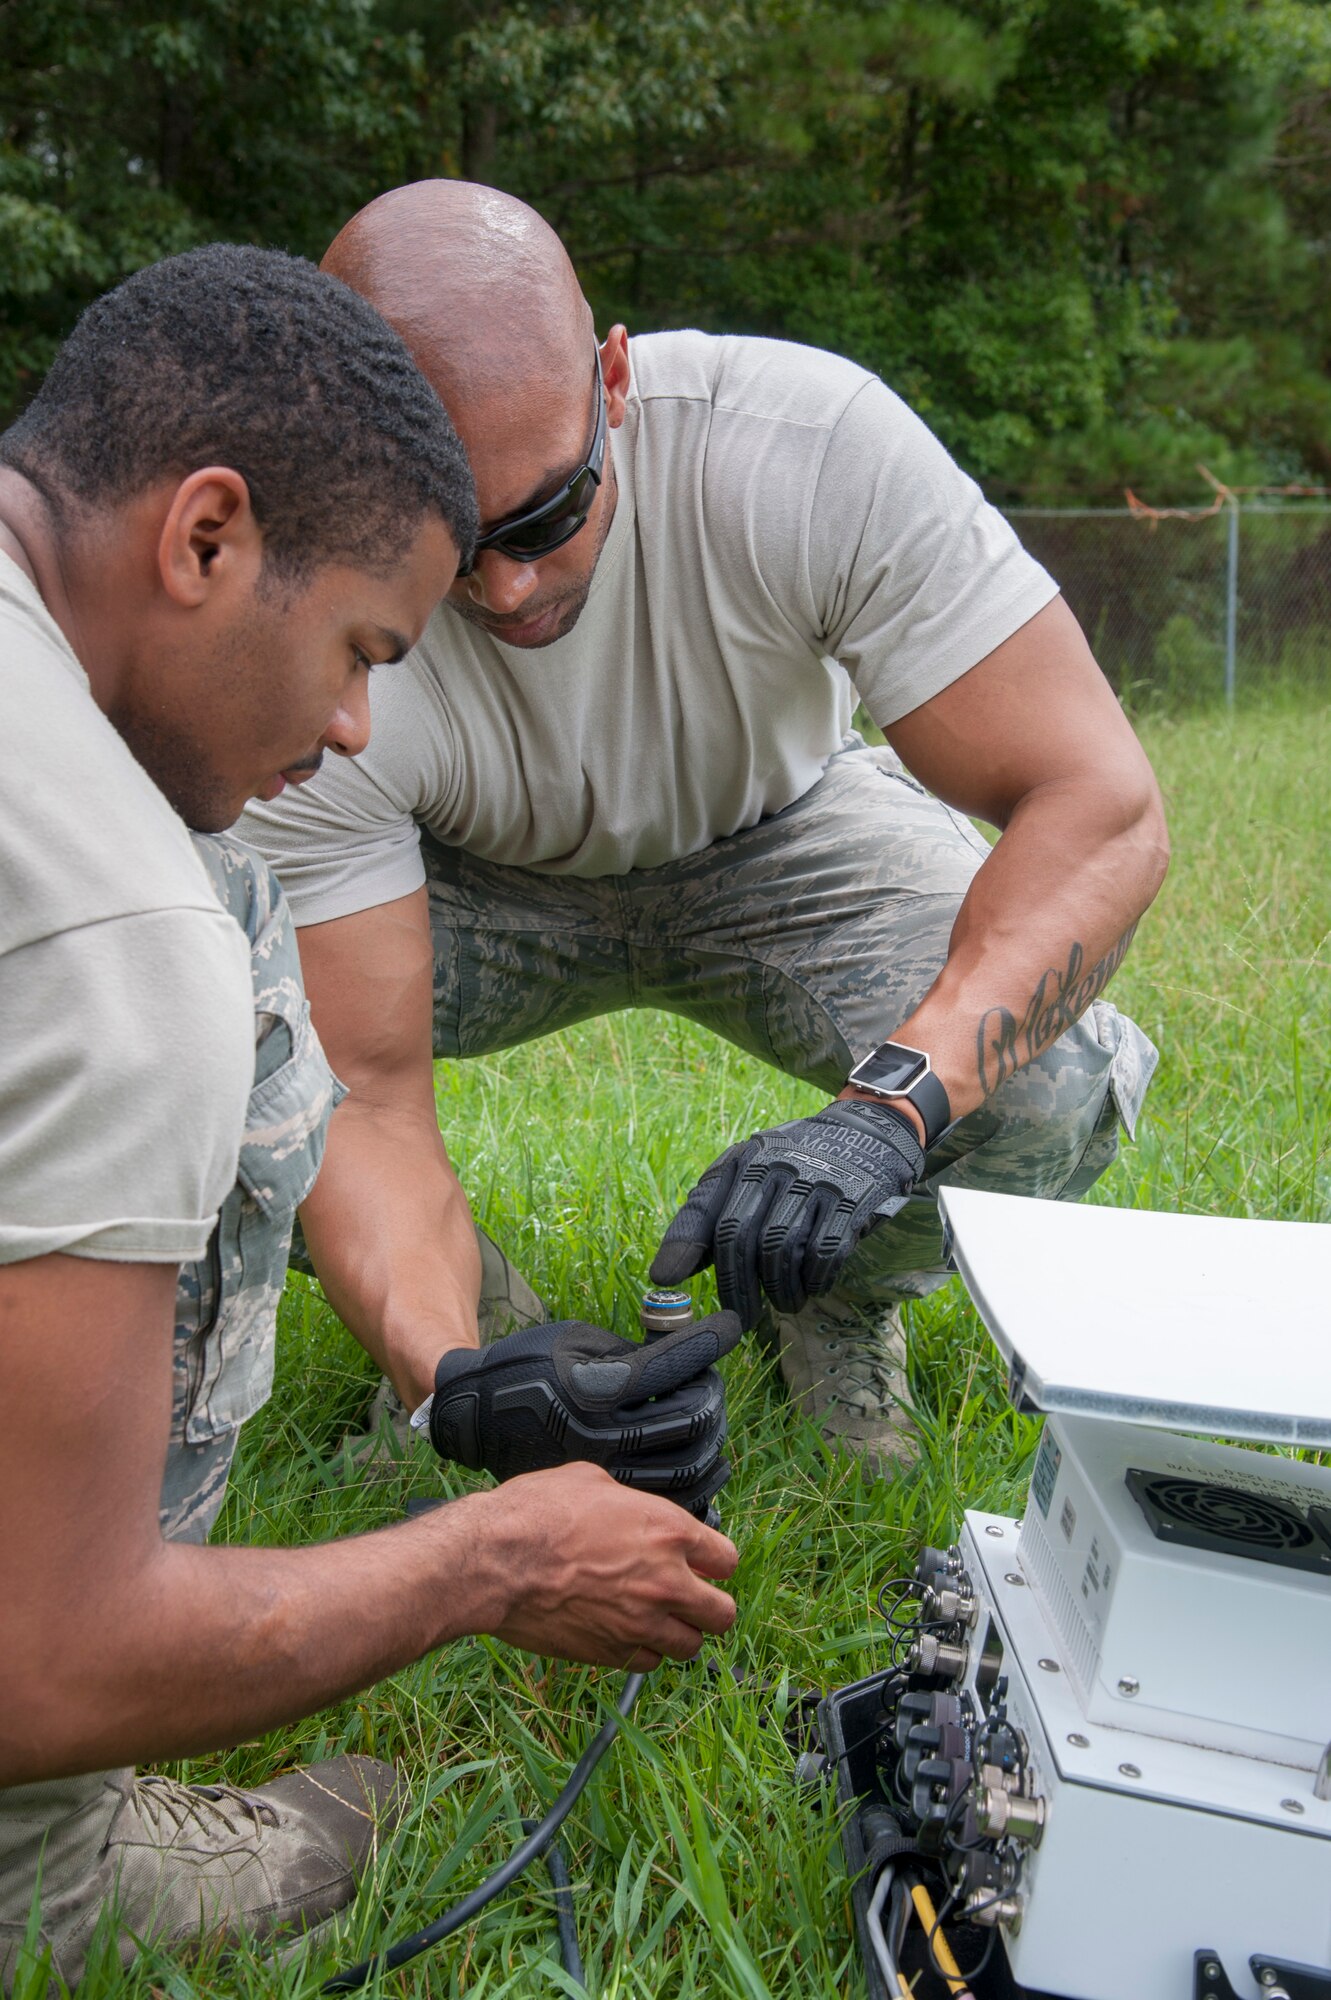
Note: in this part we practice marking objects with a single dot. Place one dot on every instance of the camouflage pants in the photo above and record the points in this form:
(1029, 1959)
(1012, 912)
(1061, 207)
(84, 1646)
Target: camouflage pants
(804, 940)
(226, 1322)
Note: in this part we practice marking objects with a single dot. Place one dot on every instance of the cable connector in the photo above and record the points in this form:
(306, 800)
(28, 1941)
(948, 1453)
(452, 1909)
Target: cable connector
(931, 1655)
(1001, 1814)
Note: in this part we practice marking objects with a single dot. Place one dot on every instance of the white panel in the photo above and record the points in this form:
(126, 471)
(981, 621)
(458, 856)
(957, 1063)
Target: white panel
(1185, 1322)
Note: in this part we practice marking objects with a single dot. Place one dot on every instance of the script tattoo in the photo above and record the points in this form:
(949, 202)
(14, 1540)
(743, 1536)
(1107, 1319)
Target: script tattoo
(1003, 1043)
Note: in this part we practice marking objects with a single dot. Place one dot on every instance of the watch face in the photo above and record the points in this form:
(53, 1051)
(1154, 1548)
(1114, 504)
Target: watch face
(890, 1069)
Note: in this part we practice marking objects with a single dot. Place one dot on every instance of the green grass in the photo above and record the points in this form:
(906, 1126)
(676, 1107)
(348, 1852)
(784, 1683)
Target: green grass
(698, 1870)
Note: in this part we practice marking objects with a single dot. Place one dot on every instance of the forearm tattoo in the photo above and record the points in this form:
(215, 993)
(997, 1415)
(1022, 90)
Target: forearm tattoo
(1003, 1043)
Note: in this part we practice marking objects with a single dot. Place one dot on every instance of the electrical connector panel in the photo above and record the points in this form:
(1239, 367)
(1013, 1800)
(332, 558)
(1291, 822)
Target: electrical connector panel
(1143, 1664)
(1147, 1849)
(1112, 1860)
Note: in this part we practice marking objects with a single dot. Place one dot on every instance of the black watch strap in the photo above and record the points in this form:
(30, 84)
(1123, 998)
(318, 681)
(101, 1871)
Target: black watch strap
(930, 1100)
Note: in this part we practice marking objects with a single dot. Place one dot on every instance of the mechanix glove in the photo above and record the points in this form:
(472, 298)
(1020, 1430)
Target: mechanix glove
(654, 1415)
(781, 1212)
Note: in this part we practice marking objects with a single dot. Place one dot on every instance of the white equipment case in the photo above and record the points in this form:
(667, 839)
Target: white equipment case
(1162, 1612)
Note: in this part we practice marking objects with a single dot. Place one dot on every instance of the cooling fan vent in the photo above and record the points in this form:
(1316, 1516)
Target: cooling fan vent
(1224, 1520)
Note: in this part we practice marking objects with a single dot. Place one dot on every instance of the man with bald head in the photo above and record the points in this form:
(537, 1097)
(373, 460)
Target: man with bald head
(620, 770)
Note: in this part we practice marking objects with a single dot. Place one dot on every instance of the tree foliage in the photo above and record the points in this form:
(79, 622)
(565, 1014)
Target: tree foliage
(1086, 238)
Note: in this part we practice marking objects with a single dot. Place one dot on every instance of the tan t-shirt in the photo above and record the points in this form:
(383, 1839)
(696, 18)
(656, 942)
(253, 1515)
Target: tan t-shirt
(788, 536)
(126, 1019)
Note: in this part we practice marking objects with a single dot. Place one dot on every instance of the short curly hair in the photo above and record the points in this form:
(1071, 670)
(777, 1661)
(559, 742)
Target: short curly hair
(252, 359)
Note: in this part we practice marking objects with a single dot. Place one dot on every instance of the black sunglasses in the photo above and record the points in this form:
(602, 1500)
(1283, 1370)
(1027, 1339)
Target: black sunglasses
(541, 530)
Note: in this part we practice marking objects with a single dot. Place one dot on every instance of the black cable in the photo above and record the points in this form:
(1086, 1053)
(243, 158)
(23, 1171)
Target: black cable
(527, 1851)
(569, 1951)
(901, 1584)
(877, 1728)
(968, 1974)
(957, 1811)
(891, 1614)
(944, 1909)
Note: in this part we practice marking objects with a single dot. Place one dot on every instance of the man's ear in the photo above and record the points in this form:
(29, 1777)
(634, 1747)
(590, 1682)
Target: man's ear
(616, 374)
(209, 537)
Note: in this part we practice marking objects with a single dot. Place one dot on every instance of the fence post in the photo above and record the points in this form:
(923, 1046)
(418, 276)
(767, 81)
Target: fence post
(1232, 601)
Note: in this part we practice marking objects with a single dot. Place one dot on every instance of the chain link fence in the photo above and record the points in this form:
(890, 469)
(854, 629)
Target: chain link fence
(1182, 611)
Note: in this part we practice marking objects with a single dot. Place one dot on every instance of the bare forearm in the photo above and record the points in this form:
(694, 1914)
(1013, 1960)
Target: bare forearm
(390, 1233)
(1032, 740)
(203, 1647)
(1046, 923)
(387, 1224)
(119, 1648)
(181, 1649)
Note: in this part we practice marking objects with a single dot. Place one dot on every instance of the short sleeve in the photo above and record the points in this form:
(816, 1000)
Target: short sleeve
(917, 577)
(125, 1068)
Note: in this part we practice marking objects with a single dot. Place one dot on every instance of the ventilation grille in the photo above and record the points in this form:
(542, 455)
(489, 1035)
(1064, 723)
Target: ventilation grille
(1224, 1520)
(1081, 1654)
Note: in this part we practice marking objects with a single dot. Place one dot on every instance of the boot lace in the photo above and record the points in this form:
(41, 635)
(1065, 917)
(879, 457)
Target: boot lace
(868, 1368)
(164, 1801)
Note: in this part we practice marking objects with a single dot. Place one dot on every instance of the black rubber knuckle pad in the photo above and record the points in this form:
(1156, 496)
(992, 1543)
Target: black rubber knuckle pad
(653, 1415)
(601, 1381)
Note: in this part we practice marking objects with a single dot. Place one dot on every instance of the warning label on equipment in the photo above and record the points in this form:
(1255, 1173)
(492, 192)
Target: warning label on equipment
(1045, 1475)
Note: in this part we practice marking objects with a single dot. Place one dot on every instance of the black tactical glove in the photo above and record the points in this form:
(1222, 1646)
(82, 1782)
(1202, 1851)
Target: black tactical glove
(653, 1414)
(780, 1213)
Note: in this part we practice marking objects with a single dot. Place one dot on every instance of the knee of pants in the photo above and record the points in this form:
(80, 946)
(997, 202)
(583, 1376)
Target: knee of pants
(298, 1252)
(1052, 1129)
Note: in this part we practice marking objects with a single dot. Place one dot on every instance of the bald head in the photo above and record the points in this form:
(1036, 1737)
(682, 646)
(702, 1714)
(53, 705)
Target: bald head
(480, 288)
(482, 292)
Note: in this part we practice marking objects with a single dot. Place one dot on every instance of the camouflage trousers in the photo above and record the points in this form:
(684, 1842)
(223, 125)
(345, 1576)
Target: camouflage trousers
(804, 940)
(226, 1323)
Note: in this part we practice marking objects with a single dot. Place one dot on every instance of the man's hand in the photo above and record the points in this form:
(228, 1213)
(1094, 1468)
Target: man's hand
(653, 1414)
(781, 1212)
(600, 1574)
(120, 1648)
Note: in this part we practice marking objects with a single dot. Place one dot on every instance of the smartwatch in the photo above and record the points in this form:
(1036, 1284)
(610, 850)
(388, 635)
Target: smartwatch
(896, 1070)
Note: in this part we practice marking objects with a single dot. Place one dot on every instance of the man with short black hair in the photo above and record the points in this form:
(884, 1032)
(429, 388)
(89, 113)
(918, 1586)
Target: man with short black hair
(232, 499)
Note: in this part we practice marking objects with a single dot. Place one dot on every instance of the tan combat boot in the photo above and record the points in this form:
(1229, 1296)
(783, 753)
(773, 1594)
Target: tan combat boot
(507, 1301)
(192, 1866)
(846, 1370)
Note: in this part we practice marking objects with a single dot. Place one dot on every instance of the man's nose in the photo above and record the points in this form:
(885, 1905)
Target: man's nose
(349, 731)
(499, 584)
